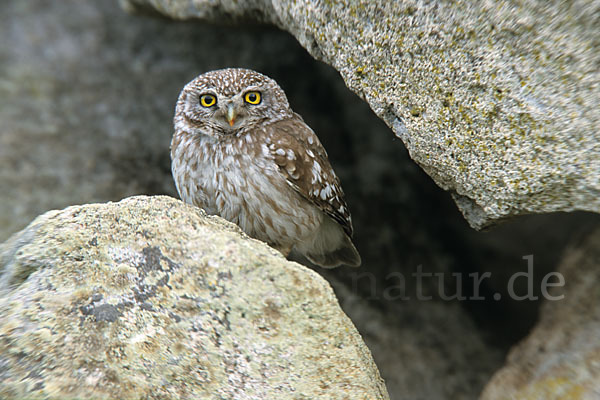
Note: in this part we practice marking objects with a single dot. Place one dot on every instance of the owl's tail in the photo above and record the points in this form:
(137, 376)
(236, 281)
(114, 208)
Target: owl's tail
(331, 247)
(345, 255)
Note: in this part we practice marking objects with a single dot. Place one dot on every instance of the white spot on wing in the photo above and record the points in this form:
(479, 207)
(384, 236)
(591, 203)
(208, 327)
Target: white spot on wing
(316, 168)
(265, 150)
(326, 192)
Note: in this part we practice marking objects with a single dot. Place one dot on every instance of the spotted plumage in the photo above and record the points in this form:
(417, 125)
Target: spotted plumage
(240, 152)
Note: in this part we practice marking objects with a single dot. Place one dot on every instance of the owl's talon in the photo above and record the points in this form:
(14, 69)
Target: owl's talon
(285, 250)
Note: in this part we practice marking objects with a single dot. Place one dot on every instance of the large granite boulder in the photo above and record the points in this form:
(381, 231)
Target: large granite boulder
(498, 102)
(150, 298)
(560, 359)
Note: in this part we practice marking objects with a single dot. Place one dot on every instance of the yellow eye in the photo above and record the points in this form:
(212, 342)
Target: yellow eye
(252, 98)
(208, 100)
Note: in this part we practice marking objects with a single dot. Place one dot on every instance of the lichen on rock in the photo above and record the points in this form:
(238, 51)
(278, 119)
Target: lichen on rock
(150, 298)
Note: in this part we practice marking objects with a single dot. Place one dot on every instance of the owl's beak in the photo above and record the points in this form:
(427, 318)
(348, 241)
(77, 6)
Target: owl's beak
(231, 114)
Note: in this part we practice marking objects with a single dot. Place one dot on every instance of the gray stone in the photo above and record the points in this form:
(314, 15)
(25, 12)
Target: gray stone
(561, 356)
(150, 298)
(497, 102)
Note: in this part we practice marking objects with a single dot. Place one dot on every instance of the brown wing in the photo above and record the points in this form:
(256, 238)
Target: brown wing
(303, 162)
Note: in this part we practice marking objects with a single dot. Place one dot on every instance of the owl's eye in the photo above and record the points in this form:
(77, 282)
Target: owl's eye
(252, 98)
(208, 100)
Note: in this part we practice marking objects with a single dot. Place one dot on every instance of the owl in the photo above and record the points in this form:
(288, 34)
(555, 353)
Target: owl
(240, 152)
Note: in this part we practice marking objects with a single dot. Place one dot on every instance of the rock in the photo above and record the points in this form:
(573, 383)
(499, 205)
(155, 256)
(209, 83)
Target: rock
(497, 102)
(561, 357)
(150, 298)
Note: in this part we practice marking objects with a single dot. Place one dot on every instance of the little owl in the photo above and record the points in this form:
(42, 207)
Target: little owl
(240, 152)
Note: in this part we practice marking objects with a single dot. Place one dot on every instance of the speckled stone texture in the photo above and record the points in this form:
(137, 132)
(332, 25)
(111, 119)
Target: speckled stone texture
(497, 101)
(149, 298)
(561, 357)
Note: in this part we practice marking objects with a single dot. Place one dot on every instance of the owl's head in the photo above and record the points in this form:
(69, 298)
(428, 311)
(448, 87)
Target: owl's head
(229, 101)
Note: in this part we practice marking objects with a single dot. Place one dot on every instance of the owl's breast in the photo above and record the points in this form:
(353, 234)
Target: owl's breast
(253, 194)
(239, 181)
(193, 170)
